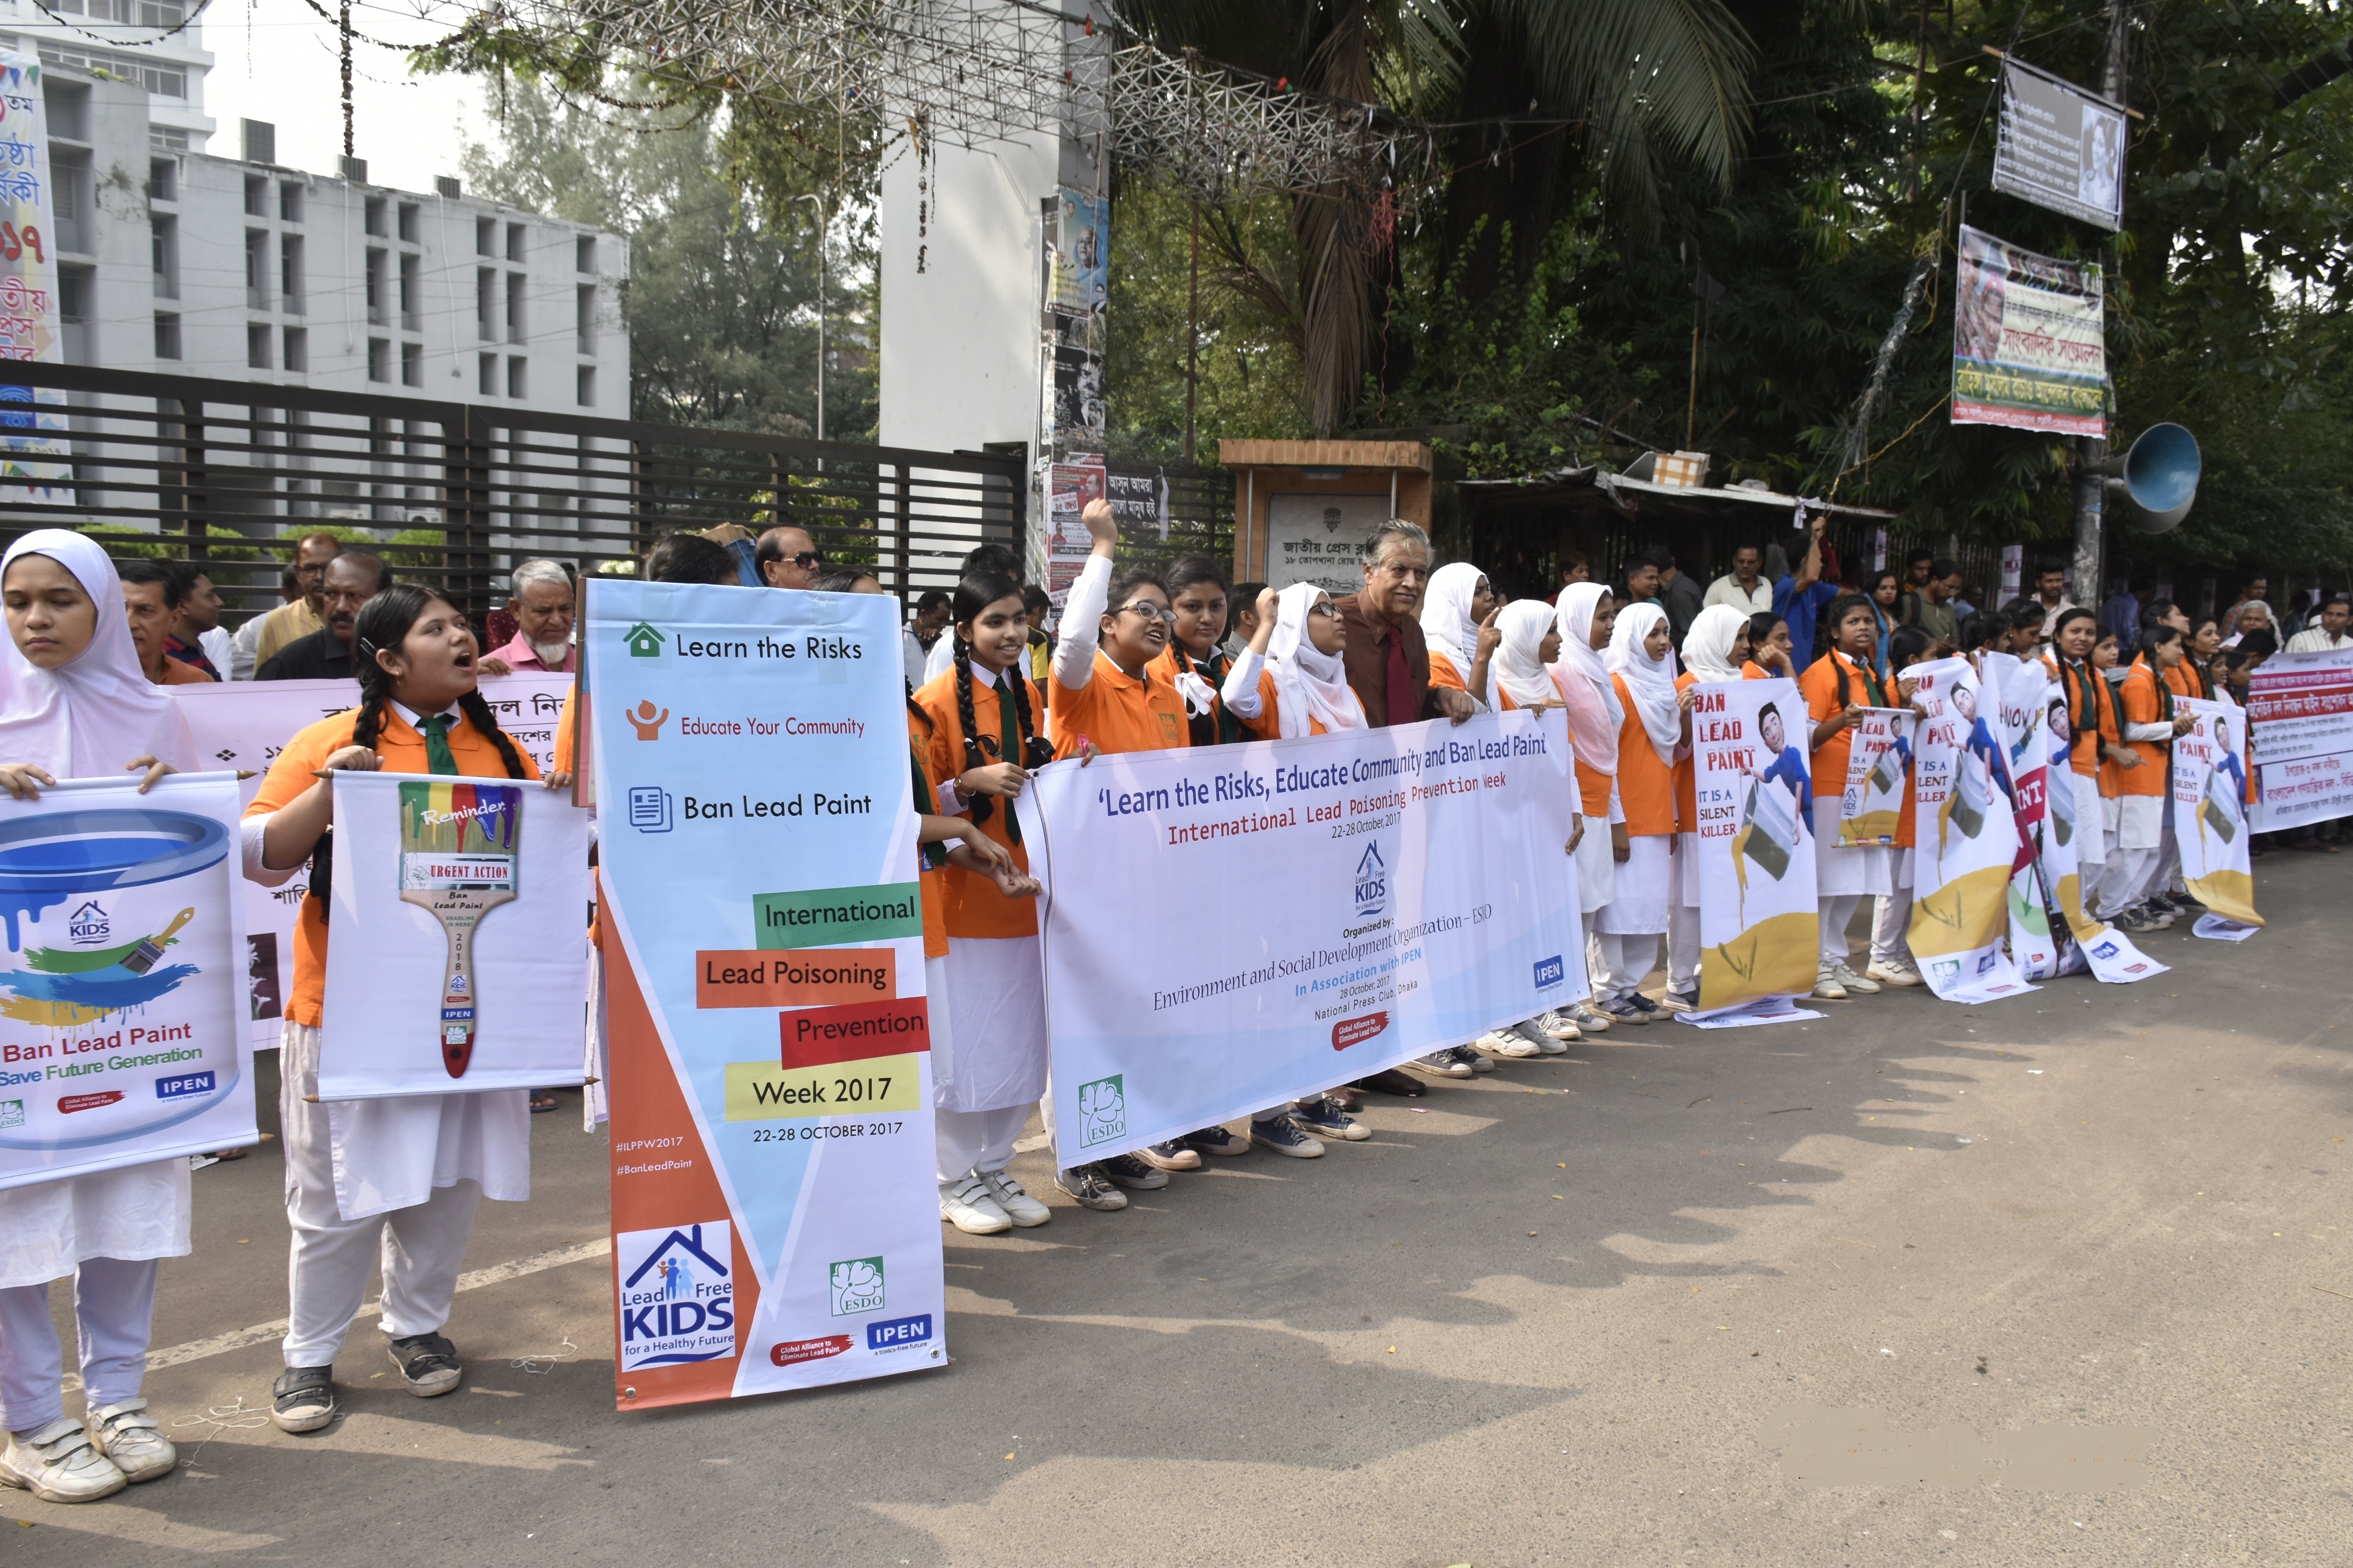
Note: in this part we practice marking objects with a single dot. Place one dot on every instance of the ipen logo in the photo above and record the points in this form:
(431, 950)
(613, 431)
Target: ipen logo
(181, 1086)
(1550, 972)
(898, 1333)
(650, 808)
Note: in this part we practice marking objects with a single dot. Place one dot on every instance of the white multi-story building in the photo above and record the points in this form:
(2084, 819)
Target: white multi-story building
(156, 44)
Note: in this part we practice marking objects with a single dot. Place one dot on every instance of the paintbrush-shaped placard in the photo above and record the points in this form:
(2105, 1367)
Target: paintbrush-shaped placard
(458, 860)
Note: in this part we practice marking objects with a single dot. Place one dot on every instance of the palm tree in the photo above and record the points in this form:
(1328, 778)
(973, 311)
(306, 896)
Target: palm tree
(1650, 83)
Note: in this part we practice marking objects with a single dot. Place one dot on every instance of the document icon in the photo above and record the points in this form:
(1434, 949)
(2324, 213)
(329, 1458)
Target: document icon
(650, 808)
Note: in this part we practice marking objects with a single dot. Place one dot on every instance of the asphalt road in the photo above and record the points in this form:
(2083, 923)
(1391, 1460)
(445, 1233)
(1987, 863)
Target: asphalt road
(2055, 1280)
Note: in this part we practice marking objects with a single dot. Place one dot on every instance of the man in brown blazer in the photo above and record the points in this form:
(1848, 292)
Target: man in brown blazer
(1387, 659)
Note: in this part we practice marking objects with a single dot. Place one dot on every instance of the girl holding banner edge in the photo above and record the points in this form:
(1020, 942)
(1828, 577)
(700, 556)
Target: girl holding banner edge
(412, 1167)
(2144, 706)
(1715, 649)
(1892, 962)
(1655, 731)
(1839, 687)
(1587, 617)
(1457, 625)
(74, 703)
(2092, 735)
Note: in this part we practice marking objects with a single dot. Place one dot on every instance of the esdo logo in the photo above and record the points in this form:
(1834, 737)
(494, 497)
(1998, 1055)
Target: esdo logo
(677, 1295)
(1103, 1110)
(1372, 881)
(856, 1285)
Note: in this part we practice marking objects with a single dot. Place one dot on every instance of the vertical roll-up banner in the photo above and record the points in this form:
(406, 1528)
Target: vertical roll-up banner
(1878, 769)
(776, 1218)
(1963, 838)
(2209, 819)
(122, 1035)
(1758, 931)
(2014, 686)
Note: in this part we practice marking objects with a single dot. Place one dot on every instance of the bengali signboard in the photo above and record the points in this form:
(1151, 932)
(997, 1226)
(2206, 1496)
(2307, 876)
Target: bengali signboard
(32, 326)
(2060, 147)
(1320, 539)
(2030, 349)
(2301, 705)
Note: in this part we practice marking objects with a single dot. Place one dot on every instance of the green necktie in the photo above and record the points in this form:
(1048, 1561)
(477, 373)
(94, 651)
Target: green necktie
(1010, 748)
(438, 758)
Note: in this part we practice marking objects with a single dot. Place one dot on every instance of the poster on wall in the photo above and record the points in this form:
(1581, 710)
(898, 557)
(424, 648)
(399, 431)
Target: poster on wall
(1758, 929)
(2060, 146)
(241, 724)
(2028, 345)
(1068, 487)
(1320, 539)
(122, 1030)
(1964, 838)
(473, 894)
(1082, 253)
(775, 1217)
(2209, 819)
(1427, 896)
(34, 448)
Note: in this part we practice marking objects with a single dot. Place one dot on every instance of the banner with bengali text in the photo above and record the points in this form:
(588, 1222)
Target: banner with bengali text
(2301, 705)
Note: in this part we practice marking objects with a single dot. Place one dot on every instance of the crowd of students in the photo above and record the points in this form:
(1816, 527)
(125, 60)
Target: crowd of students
(1144, 661)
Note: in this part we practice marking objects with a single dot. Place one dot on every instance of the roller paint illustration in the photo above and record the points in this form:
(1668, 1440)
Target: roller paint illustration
(458, 859)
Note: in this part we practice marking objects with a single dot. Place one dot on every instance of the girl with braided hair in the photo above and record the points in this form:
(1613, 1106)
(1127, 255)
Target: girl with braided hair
(978, 739)
(396, 1176)
(1840, 688)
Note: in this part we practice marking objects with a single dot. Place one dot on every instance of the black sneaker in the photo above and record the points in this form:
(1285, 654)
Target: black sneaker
(1283, 1136)
(1473, 1059)
(1172, 1155)
(1322, 1117)
(1086, 1183)
(304, 1398)
(1134, 1174)
(428, 1364)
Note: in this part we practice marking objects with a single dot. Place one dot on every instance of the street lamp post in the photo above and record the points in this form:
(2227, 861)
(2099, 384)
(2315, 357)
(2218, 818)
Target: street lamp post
(820, 308)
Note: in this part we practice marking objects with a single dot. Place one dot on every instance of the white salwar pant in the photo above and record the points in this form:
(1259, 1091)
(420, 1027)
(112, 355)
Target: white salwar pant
(975, 1140)
(1683, 918)
(115, 1306)
(1891, 920)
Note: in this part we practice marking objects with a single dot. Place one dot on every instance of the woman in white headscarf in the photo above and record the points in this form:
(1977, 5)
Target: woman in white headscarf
(1585, 615)
(1458, 622)
(74, 703)
(1715, 649)
(1294, 666)
(1625, 929)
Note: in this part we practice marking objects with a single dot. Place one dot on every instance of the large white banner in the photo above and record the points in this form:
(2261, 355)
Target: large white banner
(2210, 816)
(242, 724)
(1963, 838)
(1365, 896)
(2301, 707)
(123, 1039)
(472, 896)
(1760, 934)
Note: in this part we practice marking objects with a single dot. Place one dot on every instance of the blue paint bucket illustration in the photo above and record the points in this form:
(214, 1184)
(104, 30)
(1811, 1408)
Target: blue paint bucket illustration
(47, 859)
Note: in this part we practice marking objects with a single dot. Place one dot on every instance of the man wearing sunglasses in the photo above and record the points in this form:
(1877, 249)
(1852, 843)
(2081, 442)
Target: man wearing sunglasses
(787, 557)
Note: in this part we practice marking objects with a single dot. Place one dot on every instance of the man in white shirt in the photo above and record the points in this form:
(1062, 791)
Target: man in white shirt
(2050, 593)
(1744, 588)
(2328, 632)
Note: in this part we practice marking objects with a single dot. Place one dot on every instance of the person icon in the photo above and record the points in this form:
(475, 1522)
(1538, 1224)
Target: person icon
(646, 722)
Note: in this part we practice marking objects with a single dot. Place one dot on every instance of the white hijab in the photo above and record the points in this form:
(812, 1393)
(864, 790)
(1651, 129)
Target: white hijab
(1310, 688)
(1519, 673)
(1584, 681)
(1707, 646)
(87, 719)
(1651, 680)
(1446, 622)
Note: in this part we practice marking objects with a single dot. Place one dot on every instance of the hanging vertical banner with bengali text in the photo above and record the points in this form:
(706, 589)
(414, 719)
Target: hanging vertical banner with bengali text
(2030, 349)
(34, 452)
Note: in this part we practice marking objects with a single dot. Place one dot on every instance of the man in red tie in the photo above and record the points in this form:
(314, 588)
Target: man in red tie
(1388, 660)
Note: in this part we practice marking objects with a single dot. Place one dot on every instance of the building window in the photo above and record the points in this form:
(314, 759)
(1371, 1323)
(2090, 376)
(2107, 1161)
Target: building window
(74, 196)
(379, 359)
(409, 291)
(486, 236)
(487, 381)
(374, 216)
(583, 254)
(257, 196)
(514, 242)
(162, 179)
(163, 247)
(409, 223)
(486, 305)
(167, 336)
(297, 349)
(257, 345)
(257, 271)
(588, 385)
(584, 318)
(290, 273)
(516, 283)
(378, 286)
(289, 202)
(76, 291)
(518, 379)
(412, 364)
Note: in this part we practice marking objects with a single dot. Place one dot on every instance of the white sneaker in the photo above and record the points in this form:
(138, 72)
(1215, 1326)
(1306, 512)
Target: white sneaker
(1590, 1018)
(1898, 972)
(135, 1441)
(1505, 1042)
(1827, 986)
(1015, 1200)
(1560, 1027)
(1856, 982)
(58, 1463)
(1533, 1031)
(968, 1206)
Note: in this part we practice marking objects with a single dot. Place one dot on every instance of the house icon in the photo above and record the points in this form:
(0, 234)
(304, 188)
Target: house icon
(689, 1244)
(644, 641)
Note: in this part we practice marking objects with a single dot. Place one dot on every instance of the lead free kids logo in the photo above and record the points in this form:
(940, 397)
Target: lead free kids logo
(88, 925)
(1103, 1110)
(856, 1286)
(677, 1295)
(1372, 881)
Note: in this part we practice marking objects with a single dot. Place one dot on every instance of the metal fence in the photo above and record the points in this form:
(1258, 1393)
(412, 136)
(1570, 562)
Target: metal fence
(226, 473)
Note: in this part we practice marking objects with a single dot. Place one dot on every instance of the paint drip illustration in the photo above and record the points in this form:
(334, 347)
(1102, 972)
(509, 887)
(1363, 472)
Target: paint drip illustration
(82, 855)
(458, 859)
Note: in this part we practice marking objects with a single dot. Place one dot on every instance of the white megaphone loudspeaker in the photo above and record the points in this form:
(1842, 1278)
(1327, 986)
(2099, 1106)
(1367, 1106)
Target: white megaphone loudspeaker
(2159, 478)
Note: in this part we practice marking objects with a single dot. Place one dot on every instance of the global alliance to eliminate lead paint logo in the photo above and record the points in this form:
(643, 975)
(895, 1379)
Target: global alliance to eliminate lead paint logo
(677, 1296)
